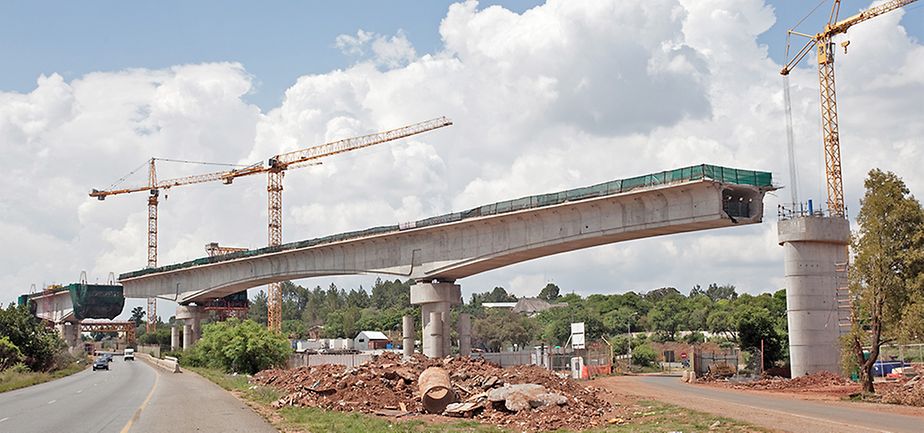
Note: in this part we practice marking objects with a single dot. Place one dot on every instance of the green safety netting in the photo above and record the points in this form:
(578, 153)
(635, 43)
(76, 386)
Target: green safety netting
(96, 301)
(760, 179)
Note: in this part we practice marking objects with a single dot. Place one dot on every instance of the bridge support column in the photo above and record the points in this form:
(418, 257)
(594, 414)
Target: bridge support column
(465, 334)
(435, 300)
(408, 336)
(69, 332)
(813, 247)
(174, 337)
(191, 316)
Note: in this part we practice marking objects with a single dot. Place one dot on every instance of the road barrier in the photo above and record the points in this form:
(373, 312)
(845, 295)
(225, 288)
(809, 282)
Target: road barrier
(169, 363)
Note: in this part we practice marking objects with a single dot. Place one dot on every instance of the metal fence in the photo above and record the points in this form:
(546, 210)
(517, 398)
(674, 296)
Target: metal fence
(704, 362)
(597, 360)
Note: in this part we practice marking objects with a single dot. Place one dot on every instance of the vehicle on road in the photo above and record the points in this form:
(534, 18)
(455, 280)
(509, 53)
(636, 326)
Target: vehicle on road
(129, 355)
(100, 364)
(106, 357)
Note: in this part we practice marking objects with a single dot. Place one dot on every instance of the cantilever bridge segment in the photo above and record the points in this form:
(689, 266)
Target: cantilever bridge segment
(440, 250)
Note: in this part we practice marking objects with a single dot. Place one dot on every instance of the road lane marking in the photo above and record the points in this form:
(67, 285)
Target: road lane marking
(52, 402)
(137, 414)
(4, 419)
(79, 391)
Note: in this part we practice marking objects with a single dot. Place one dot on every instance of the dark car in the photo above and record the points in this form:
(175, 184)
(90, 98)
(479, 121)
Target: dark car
(106, 357)
(100, 364)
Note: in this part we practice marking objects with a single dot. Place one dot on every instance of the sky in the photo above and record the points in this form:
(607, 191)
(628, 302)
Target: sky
(545, 96)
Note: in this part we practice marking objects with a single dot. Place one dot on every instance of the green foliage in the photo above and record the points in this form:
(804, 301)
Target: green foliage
(9, 354)
(550, 293)
(756, 324)
(137, 315)
(258, 308)
(694, 338)
(887, 273)
(37, 343)
(644, 355)
(669, 315)
(501, 328)
(242, 347)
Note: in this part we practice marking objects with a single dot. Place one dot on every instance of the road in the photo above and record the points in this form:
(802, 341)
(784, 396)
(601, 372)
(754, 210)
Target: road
(130, 397)
(778, 412)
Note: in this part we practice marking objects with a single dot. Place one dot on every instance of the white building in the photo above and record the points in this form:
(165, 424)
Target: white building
(370, 340)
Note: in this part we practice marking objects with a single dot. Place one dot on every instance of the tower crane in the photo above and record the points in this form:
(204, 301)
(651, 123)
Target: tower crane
(277, 166)
(154, 187)
(823, 45)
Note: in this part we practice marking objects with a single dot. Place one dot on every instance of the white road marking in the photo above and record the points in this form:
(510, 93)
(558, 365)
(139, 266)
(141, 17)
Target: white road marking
(4, 419)
(79, 391)
(50, 402)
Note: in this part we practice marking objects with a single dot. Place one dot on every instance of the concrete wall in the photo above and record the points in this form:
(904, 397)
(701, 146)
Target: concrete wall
(812, 249)
(455, 250)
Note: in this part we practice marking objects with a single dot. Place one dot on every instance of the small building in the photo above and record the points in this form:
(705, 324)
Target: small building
(370, 340)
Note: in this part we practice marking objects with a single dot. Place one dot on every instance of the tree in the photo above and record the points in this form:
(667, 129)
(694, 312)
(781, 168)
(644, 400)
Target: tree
(886, 274)
(717, 292)
(501, 328)
(37, 344)
(258, 308)
(9, 353)
(137, 315)
(756, 325)
(549, 293)
(240, 347)
(669, 315)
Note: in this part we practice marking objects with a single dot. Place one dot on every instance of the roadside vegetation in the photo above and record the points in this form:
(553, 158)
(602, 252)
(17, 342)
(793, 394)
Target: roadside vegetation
(30, 353)
(236, 346)
(887, 274)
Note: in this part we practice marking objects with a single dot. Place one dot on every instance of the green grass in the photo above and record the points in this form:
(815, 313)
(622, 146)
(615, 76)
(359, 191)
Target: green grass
(11, 379)
(655, 417)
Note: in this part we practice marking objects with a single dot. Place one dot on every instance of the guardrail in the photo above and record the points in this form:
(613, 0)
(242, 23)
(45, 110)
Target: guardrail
(169, 363)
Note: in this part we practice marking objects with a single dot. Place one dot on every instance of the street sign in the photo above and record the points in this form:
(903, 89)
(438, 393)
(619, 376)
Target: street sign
(577, 335)
(683, 355)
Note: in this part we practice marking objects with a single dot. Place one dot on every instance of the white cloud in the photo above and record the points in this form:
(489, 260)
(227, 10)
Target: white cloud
(563, 95)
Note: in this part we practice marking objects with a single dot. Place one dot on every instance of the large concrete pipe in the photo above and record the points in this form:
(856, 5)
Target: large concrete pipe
(435, 390)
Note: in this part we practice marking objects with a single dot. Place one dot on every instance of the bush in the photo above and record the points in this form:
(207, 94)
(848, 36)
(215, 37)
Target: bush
(9, 354)
(694, 338)
(644, 355)
(238, 347)
(37, 343)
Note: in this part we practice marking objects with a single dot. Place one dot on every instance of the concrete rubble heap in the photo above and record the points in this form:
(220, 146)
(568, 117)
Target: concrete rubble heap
(909, 393)
(527, 398)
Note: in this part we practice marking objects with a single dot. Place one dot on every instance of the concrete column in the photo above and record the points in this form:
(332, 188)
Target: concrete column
(69, 333)
(408, 335)
(191, 316)
(174, 337)
(433, 336)
(436, 298)
(465, 334)
(813, 247)
(187, 336)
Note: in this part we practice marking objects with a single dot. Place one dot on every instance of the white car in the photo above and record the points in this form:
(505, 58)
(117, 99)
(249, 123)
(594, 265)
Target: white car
(129, 355)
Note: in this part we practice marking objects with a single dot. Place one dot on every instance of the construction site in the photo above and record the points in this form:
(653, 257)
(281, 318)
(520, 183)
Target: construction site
(832, 348)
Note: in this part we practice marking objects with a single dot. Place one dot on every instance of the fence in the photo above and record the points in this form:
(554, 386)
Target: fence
(704, 362)
(597, 360)
(349, 360)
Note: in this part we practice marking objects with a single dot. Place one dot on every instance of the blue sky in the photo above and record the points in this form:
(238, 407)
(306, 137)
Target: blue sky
(276, 41)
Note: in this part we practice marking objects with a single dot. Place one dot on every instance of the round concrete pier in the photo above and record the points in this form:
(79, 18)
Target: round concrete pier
(813, 249)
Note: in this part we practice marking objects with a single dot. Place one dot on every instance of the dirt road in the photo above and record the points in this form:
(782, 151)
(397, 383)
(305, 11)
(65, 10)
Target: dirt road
(780, 412)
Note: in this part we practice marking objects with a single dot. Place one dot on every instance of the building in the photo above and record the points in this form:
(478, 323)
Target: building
(370, 340)
(527, 306)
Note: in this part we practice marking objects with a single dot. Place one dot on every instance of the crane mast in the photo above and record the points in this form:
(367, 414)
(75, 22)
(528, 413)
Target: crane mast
(824, 46)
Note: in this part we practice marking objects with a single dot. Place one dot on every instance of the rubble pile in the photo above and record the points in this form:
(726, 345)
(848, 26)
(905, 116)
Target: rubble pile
(910, 393)
(812, 381)
(521, 397)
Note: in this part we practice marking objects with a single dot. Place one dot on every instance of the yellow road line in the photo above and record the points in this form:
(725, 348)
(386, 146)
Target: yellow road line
(137, 414)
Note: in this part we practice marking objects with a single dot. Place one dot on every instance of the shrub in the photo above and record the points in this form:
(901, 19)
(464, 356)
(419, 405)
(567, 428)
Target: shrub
(240, 347)
(644, 355)
(694, 338)
(9, 353)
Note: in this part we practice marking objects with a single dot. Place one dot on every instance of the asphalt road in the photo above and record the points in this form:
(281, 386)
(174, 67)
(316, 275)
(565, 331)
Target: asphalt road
(89, 401)
(132, 397)
(784, 413)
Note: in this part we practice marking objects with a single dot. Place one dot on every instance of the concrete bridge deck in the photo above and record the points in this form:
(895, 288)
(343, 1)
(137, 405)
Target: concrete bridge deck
(453, 246)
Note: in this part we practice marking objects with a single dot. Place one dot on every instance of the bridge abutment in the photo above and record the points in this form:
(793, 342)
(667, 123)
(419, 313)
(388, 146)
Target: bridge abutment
(435, 300)
(174, 338)
(813, 248)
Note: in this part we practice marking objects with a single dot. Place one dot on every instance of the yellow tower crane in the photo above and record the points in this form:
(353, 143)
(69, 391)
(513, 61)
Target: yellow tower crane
(278, 165)
(823, 45)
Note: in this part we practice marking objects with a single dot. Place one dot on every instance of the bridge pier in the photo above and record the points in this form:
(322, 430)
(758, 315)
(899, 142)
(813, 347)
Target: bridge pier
(70, 333)
(191, 316)
(813, 247)
(435, 300)
(174, 337)
(408, 336)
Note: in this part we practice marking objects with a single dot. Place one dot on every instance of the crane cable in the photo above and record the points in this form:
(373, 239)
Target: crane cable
(182, 161)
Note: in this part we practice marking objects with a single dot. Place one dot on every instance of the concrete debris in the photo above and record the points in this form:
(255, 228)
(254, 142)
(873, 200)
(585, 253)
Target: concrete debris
(909, 393)
(523, 398)
(818, 380)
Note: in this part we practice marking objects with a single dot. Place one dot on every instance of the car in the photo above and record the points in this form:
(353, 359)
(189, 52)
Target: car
(106, 357)
(100, 364)
(129, 355)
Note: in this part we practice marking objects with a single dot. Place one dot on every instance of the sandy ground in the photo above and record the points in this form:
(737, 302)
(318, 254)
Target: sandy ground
(785, 412)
